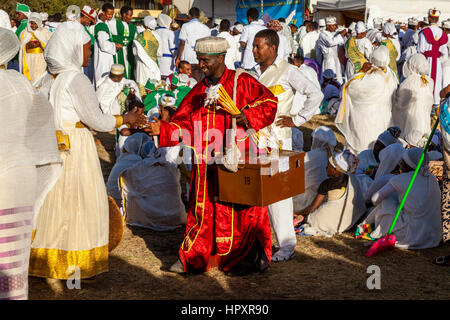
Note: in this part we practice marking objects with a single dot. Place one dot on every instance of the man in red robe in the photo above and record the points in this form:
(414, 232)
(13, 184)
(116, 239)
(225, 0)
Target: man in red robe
(238, 235)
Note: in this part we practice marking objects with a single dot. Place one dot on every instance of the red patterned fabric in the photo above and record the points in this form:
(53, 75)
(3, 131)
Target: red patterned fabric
(214, 228)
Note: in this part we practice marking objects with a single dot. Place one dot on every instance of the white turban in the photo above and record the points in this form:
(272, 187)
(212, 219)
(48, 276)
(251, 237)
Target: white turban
(73, 13)
(377, 21)
(9, 45)
(36, 18)
(413, 22)
(416, 64)
(5, 22)
(360, 27)
(380, 57)
(64, 50)
(412, 158)
(322, 23)
(239, 27)
(323, 137)
(344, 161)
(150, 22)
(351, 28)
(446, 24)
(389, 159)
(389, 29)
(330, 20)
(44, 16)
(373, 35)
(164, 20)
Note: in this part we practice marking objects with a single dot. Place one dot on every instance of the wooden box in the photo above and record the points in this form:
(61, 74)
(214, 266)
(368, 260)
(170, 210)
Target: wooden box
(262, 184)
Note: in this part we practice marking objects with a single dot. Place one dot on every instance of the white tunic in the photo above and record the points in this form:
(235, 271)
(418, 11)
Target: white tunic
(107, 92)
(190, 33)
(424, 46)
(247, 36)
(309, 43)
(230, 57)
(328, 45)
(104, 52)
(167, 46)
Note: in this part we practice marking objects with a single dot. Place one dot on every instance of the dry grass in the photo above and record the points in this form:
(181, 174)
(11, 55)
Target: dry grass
(323, 268)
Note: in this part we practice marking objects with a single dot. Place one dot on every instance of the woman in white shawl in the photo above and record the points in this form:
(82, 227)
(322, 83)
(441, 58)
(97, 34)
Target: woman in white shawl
(29, 166)
(72, 225)
(419, 224)
(414, 98)
(33, 42)
(316, 161)
(344, 203)
(366, 106)
(147, 50)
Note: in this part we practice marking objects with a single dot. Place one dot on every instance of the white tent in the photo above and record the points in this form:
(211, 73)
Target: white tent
(397, 10)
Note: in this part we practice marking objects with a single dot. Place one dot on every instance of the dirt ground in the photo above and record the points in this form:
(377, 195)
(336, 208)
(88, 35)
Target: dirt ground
(322, 268)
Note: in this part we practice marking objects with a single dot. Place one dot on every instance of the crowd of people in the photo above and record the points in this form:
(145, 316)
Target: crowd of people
(185, 97)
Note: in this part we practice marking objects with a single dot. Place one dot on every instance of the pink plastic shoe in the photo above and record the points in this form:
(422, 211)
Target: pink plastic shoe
(383, 244)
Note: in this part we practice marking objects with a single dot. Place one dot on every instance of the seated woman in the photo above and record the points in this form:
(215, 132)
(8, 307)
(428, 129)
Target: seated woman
(369, 160)
(316, 161)
(125, 131)
(344, 203)
(419, 224)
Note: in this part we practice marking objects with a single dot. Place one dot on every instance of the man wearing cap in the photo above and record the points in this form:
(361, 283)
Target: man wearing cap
(215, 29)
(432, 44)
(407, 40)
(190, 32)
(358, 50)
(284, 81)
(329, 42)
(237, 31)
(147, 50)
(239, 236)
(109, 88)
(22, 13)
(308, 44)
(88, 19)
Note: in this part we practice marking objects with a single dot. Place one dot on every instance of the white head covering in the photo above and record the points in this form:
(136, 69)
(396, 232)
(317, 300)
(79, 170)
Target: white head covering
(36, 18)
(377, 22)
(239, 27)
(387, 138)
(345, 161)
(323, 137)
(446, 24)
(211, 45)
(44, 16)
(167, 101)
(64, 50)
(217, 21)
(329, 74)
(9, 45)
(374, 35)
(322, 23)
(5, 22)
(150, 22)
(434, 12)
(360, 27)
(117, 69)
(412, 157)
(389, 159)
(413, 21)
(389, 29)
(183, 79)
(73, 13)
(380, 57)
(164, 20)
(416, 64)
(89, 12)
(351, 27)
(330, 20)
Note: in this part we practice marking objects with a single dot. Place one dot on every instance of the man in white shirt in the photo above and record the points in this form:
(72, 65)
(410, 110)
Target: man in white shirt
(329, 42)
(189, 34)
(309, 41)
(358, 50)
(237, 31)
(247, 36)
(284, 81)
(224, 32)
(167, 44)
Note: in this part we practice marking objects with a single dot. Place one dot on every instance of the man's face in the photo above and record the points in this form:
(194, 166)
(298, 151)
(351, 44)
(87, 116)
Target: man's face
(209, 64)
(332, 27)
(33, 25)
(128, 16)
(116, 77)
(186, 69)
(296, 63)
(293, 29)
(262, 51)
(20, 16)
(85, 21)
(109, 14)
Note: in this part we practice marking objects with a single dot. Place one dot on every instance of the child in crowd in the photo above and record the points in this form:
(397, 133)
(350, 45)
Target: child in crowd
(184, 67)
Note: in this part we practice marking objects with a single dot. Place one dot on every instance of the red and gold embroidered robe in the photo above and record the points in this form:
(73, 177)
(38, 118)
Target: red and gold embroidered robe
(213, 228)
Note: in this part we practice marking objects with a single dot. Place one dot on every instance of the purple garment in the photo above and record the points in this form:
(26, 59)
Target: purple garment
(313, 64)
